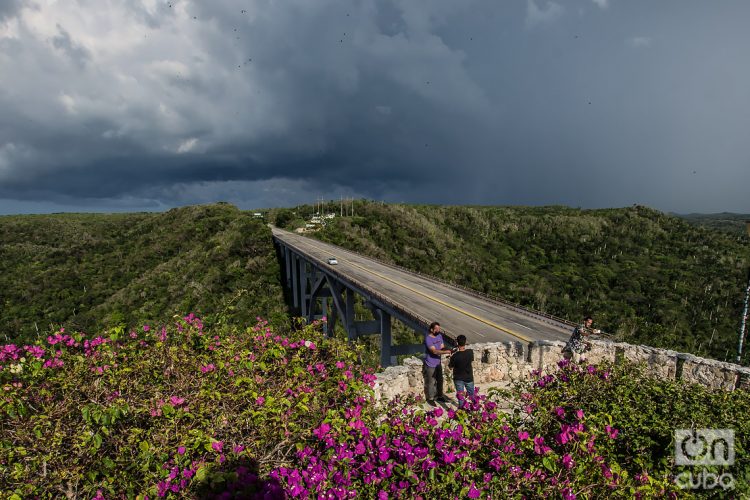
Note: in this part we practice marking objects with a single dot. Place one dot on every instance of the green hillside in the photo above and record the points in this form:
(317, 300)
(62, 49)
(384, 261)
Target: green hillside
(84, 271)
(647, 276)
(727, 222)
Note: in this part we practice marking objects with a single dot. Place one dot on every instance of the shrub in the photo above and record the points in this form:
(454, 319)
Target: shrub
(165, 410)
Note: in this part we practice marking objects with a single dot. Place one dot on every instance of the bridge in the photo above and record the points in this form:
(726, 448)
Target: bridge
(318, 288)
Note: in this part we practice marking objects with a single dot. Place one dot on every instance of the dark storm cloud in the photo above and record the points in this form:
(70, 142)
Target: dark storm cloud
(9, 8)
(587, 103)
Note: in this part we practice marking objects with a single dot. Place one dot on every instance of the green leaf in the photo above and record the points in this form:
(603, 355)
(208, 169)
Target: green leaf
(201, 473)
(97, 440)
(167, 410)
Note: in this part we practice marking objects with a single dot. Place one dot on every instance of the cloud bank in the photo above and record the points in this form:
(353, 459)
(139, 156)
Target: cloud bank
(142, 104)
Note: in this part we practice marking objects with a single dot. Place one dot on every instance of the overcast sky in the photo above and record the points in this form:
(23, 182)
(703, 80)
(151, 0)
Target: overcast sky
(130, 105)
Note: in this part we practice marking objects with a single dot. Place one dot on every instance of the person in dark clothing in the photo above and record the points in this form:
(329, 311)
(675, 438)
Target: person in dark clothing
(463, 375)
(578, 343)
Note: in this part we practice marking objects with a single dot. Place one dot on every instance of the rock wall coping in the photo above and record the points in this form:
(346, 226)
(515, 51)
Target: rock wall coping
(499, 363)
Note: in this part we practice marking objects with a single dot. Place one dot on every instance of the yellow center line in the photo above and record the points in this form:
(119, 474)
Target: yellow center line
(435, 299)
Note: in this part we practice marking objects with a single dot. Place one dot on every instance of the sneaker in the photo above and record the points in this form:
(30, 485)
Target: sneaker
(442, 399)
(431, 402)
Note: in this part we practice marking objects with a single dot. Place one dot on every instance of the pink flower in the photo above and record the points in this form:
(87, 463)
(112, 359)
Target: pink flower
(579, 414)
(474, 492)
(176, 401)
(260, 401)
(181, 450)
(523, 435)
(567, 461)
(217, 446)
(539, 447)
(146, 328)
(560, 412)
(322, 430)
(611, 432)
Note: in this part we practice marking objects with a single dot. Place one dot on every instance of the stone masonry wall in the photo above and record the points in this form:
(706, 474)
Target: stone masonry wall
(504, 362)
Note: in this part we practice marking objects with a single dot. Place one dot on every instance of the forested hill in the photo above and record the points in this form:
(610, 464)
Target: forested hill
(646, 276)
(727, 222)
(90, 271)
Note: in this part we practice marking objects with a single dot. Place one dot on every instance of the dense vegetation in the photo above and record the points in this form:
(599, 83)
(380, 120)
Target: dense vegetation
(647, 277)
(184, 410)
(83, 271)
(735, 224)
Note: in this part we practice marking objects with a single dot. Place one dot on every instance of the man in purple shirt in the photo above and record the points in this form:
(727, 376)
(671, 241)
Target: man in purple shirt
(432, 369)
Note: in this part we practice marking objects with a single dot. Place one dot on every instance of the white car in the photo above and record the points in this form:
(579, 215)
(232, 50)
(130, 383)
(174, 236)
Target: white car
(332, 261)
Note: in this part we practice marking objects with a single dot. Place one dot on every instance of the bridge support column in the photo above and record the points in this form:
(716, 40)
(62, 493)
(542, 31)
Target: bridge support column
(288, 262)
(324, 313)
(386, 357)
(303, 279)
(332, 317)
(351, 328)
(294, 264)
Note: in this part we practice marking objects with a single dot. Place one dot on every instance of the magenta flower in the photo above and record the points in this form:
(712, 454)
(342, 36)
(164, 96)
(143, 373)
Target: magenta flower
(181, 450)
(260, 401)
(321, 431)
(146, 328)
(474, 492)
(611, 432)
(217, 446)
(523, 435)
(567, 461)
(449, 457)
(539, 447)
(560, 412)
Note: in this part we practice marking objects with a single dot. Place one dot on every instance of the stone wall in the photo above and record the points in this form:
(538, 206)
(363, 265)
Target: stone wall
(504, 362)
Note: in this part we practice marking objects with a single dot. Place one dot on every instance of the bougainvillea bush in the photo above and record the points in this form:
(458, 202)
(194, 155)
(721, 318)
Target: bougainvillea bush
(183, 411)
(172, 410)
(478, 453)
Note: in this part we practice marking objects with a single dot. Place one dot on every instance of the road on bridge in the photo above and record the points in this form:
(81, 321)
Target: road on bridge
(457, 310)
